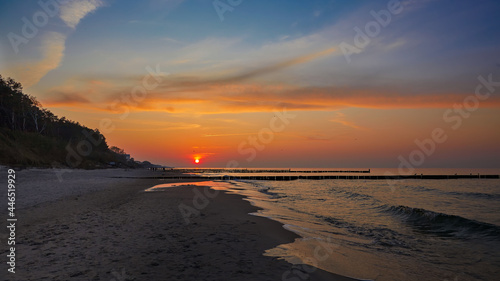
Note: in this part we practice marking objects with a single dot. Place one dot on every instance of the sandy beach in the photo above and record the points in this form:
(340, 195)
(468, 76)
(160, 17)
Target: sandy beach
(116, 231)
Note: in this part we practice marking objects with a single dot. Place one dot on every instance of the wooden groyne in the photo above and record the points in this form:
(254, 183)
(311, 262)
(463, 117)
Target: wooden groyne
(325, 177)
(244, 171)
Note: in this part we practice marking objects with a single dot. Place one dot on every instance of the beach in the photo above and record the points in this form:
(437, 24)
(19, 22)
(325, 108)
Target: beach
(115, 230)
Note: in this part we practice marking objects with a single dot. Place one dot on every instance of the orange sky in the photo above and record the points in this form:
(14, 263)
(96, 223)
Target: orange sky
(169, 83)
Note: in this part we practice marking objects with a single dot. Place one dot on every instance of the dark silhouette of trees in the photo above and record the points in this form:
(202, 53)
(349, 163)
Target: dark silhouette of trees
(23, 113)
(117, 150)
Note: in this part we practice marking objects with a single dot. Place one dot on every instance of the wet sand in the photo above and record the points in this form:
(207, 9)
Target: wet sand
(124, 233)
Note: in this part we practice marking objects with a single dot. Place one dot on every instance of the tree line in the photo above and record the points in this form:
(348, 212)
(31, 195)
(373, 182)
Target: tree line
(22, 114)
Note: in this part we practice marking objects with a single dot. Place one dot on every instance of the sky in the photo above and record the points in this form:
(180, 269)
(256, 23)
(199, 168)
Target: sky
(253, 83)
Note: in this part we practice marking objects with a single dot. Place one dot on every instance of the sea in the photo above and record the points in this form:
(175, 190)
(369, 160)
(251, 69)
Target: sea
(412, 229)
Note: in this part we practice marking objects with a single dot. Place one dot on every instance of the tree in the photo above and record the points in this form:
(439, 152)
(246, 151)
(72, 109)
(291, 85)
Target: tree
(24, 113)
(117, 150)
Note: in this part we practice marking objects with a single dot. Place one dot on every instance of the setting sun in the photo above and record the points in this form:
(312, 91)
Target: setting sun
(197, 161)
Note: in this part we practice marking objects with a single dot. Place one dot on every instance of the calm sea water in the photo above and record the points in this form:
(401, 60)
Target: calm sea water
(388, 230)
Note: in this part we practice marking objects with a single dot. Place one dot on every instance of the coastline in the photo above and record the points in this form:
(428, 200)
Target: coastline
(121, 232)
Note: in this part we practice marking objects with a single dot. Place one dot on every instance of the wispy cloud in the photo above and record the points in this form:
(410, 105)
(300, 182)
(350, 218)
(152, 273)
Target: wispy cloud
(73, 12)
(340, 118)
(172, 128)
(67, 99)
(52, 52)
(232, 84)
(236, 98)
(172, 40)
(227, 135)
(52, 47)
(243, 91)
(247, 74)
(282, 65)
(318, 137)
(149, 125)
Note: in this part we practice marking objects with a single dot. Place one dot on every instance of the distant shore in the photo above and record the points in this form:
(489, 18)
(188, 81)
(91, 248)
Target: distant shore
(114, 229)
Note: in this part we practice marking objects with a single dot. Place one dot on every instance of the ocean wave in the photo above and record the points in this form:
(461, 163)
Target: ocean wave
(379, 236)
(477, 195)
(444, 225)
(357, 196)
(421, 188)
(352, 195)
(272, 195)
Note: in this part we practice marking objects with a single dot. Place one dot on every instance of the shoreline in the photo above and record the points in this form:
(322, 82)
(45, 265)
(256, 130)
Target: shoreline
(123, 231)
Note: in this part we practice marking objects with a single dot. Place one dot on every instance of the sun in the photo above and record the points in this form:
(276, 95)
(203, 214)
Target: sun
(197, 161)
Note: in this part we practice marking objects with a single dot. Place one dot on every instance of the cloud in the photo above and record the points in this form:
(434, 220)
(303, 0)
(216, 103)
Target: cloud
(341, 119)
(242, 86)
(52, 49)
(281, 65)
(229, 79)
(74, 11)
(191, 89)
(213, 98)
(146, 125)
(241, 92)
(67, 99)
(155, 129)
(228, 135)
(52, 46)
(318, 137)
(172, 40)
